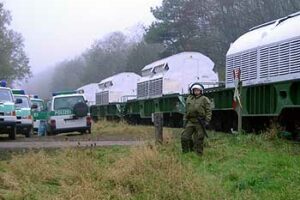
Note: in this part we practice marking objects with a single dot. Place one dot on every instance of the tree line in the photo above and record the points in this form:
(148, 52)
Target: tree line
(206, 26)
(108, 56)
(14, 64)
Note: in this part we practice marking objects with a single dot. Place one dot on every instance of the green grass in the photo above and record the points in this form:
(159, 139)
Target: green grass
(233, 167)
(250, 167)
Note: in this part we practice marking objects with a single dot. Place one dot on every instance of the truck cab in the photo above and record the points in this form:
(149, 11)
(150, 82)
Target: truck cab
(8, 119)
(68, 112)
(39, 111)
(24, 116)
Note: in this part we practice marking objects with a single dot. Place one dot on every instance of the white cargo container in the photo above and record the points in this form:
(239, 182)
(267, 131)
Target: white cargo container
(267, 53)
(118, 88)
(174, 74)
(89, 91)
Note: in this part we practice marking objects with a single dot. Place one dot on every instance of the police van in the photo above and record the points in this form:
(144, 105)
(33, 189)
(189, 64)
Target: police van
(68, 112)
(23, 113)
(8, 119)
(39, 112)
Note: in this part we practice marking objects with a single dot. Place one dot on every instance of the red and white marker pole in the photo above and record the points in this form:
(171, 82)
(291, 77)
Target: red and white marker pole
(237, 104)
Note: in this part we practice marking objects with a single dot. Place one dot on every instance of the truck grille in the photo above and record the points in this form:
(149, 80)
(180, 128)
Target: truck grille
(150, 88)
(102, 98)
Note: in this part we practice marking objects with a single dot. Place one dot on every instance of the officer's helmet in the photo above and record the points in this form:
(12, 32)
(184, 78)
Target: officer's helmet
(196, 86)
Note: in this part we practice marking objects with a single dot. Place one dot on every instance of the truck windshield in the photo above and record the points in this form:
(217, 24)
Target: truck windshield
(25, 102)
(67, 102)
(5, 96)
(40, 104)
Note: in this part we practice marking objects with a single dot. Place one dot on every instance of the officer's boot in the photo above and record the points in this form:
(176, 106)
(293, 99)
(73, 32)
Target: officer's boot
(185, 146)
(191, 145)
(198, 147)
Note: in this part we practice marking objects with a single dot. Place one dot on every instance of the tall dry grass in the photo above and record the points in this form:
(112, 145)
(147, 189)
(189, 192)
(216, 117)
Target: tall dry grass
(123, 130)
(233, 167)
(145, 172)
(272, 132)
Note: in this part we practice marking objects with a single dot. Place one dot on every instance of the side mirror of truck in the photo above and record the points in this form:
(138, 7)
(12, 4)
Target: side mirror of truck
(34, 106)
(19, 101)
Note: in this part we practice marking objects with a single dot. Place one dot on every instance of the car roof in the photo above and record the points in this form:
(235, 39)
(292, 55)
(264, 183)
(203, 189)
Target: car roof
(21, 95)
(5, 88)
(68, 95)
(35, 99)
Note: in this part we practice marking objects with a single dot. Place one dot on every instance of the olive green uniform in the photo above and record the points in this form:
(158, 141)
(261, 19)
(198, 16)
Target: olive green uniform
(193, 136)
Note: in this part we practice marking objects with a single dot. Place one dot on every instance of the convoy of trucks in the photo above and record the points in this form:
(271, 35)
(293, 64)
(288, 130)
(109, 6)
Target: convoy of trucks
(267, 59)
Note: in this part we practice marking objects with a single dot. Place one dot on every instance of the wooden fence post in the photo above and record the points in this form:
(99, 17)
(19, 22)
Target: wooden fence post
(158, 124)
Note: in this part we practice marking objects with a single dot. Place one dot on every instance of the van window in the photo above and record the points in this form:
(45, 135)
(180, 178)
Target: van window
(5, 96)
(40, 105)
(67, 102)
(25, 102)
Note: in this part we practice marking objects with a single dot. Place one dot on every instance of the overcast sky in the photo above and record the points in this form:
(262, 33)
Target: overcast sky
(55, 30)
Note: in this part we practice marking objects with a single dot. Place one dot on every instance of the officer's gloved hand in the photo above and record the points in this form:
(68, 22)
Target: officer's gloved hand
(206, 124)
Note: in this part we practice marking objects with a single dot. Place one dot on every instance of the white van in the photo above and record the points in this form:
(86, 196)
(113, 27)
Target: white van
(68, 113)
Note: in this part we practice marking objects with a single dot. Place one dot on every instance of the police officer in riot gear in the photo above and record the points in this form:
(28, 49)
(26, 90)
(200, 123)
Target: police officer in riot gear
(197, 108)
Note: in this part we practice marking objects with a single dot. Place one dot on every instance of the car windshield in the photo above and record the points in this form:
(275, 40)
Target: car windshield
(40, 104)
(67, 102)
(25, 102)
(5, 96)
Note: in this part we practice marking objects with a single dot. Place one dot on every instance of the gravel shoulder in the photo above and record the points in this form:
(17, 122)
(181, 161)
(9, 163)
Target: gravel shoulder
(66, 141)
(63, 144)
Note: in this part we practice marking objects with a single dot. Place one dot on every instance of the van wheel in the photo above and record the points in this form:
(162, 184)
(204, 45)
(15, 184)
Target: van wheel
(28, 133)
(13, 133)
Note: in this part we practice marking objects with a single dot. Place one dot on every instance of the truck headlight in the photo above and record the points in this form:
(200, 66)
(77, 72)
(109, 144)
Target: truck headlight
(27, 117)
(13, 113)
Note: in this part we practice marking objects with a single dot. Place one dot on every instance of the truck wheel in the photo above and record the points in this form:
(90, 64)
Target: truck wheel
(13, 133)
(28, 133)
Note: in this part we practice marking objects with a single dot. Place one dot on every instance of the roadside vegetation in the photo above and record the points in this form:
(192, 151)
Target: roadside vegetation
(125, 131)
(233, 167)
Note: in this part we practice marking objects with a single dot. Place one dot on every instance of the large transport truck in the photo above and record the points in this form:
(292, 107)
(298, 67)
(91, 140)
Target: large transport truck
(113, 92)
(268, 57)
(89, 91)
(159, 89)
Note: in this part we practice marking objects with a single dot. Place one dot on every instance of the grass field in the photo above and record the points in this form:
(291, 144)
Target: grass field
(233, 167)
(121, 130)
